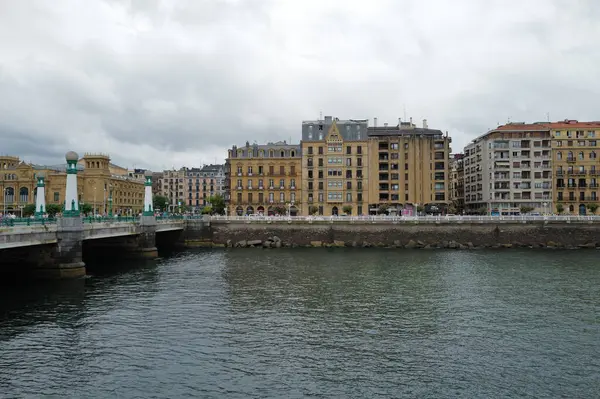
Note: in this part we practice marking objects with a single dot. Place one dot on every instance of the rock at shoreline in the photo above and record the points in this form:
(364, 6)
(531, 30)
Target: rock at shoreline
(316, 243)
(254, 242)
(411, 244)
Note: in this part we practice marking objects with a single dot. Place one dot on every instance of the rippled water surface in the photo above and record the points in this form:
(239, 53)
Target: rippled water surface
(302, 323)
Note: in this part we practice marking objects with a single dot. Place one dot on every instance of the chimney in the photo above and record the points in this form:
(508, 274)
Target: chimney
(399, 121)
(411, 120)
(424, 123)
(375, 122)
(385, 124)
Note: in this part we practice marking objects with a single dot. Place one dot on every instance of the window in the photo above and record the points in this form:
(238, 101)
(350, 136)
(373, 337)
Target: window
(260, 184)
(293, 197)
(271, 197)
(310, 133)
(293, 183)
(281, 197)
(249, 170)
(348, 150)
(281, 183)
(394, 146)
(348, 197)
(250, 184)
(310, 150)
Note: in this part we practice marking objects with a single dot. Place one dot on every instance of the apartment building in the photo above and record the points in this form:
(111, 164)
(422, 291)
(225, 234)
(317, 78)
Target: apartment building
(408, 168)
(264, 179)
(203, 183)
(335, 162)
(457, 183)
(173, 188)
(576, 166)
(508, 170)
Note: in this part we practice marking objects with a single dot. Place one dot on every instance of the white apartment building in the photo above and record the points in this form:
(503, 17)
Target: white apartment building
(508, 169)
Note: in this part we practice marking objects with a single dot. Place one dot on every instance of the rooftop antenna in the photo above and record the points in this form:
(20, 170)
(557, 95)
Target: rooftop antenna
(548, 116)
(320, 115)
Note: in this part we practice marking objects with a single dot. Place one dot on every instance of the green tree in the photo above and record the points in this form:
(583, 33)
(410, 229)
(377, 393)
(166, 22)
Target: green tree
(383, 208)
(217, 203)
(482, 211)
(53, 209)
(313, 210)
(560, 208)
(526, 209)
(592, 208)
(160, 202)
(28, 210)
(207, 210)
(86, 208)
(347, 209)
(279, 210)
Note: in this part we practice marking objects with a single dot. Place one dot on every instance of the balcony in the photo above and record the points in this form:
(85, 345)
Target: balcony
(292, 187)
(571, 160)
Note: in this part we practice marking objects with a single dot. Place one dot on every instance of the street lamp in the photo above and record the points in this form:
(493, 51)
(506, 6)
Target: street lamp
(95, 205)
(104, 201)
(110, 200)
(545, 208)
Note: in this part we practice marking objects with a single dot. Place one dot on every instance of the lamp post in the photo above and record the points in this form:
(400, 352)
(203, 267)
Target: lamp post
(104, 201)
(110, 200)
(95, 205)
(545, 208)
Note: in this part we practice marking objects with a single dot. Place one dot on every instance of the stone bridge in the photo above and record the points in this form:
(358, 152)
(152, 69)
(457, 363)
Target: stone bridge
(38, 234)
(55, 248)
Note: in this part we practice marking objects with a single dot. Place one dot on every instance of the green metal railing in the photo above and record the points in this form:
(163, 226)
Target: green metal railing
(10, 222)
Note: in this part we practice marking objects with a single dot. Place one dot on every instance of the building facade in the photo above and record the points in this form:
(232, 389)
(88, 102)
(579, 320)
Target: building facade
(408, 169)
(203, 183)
(508, 171)
(335, 162)
(576, 166)
(172, 187)
(457, 183)
(97, 186)
(264, 179)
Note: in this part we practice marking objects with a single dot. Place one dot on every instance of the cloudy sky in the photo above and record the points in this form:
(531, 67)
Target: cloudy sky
(163, 83)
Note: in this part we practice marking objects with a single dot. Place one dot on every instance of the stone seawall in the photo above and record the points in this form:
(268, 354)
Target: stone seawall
(403, 235)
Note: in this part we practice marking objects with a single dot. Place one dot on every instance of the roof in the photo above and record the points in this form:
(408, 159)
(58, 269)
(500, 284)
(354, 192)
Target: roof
(396, 131)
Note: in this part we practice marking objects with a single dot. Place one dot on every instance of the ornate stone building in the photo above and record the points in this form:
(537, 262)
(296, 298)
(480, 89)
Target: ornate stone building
(95, 184)
(203, 183)
(335, 164)
(264, 179)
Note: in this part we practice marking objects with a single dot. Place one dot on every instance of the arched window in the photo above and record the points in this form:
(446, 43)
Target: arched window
(593, 155)
(271, 153)
(559, 155)
(320, 135)
(293, 153)
(282, 154)
(9, 195)
(570, 156)
(23, 194)
(580, 155)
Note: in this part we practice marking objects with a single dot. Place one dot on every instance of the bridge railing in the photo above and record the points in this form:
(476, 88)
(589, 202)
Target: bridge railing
(170, 218)
(110, 219)
(12, 222)
(415, 219)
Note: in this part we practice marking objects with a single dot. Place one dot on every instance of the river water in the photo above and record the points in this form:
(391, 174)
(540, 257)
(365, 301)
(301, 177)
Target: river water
(330, 323)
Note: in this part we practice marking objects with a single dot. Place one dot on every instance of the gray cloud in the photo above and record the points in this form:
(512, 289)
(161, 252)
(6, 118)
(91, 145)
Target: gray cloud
(165, 83)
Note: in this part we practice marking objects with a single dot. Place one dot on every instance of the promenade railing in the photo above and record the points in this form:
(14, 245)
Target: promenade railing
(12, 222)
(415, 219)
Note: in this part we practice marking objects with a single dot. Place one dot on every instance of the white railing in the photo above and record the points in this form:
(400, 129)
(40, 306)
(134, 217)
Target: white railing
(406, 219)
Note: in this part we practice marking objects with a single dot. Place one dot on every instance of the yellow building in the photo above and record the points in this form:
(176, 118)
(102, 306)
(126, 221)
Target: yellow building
(264, 179)
(335, 161)
(408, 169)
(95, 182)
(576, 166)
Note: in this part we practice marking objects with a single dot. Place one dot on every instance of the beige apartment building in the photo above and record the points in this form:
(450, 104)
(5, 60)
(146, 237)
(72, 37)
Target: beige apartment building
(171, 186)
(264, 179)
(576, 166)
(408, 169)
(335, 161)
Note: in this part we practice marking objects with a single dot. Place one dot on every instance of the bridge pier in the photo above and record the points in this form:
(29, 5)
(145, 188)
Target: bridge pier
(64, 260)
(146, 247)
